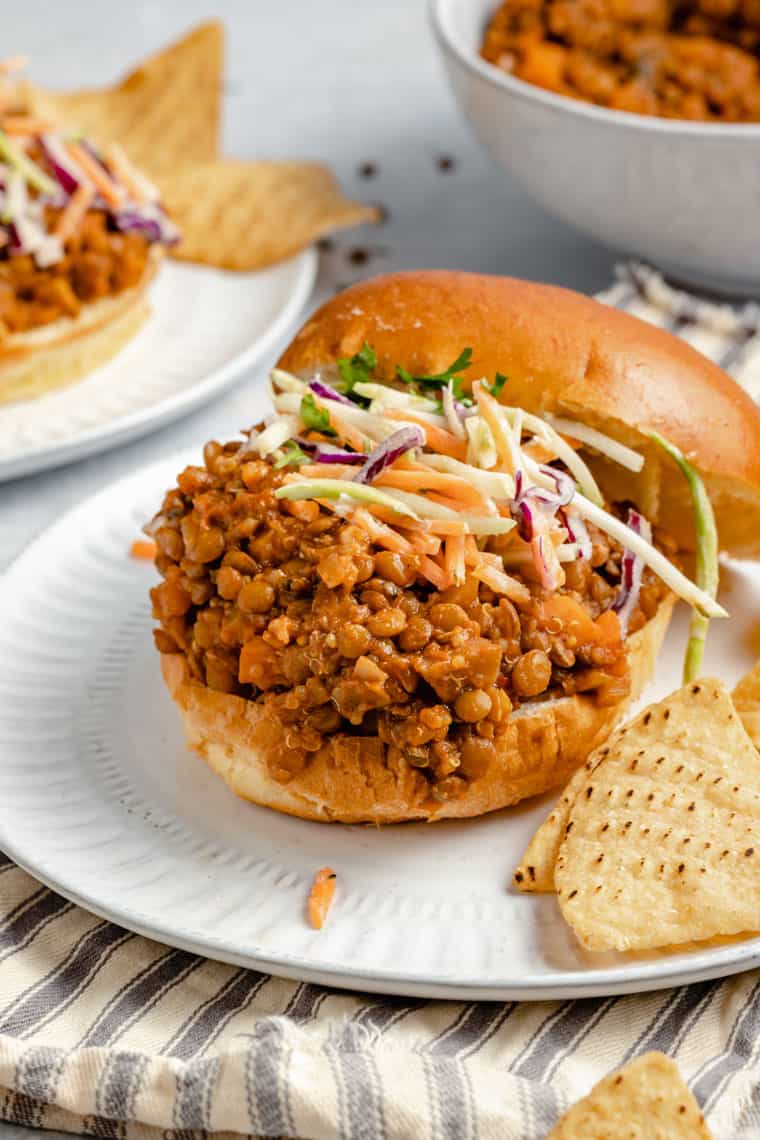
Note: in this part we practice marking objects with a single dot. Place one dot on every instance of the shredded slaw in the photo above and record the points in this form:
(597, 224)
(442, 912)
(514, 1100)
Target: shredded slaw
(468, 474)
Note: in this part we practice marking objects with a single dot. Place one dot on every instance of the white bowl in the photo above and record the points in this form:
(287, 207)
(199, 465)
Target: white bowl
(685, 196)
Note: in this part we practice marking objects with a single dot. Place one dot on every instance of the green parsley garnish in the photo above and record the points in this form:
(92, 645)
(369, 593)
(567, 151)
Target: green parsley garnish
(497, 385)
(290, 455)
(441, 379)
(314, 417)
(359, 368)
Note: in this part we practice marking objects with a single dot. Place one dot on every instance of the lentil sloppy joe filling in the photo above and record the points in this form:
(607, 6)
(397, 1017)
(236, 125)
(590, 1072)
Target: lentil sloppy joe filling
(694, 60)
(289, 604)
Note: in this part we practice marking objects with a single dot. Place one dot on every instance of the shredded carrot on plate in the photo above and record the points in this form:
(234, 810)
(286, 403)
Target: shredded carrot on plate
(144, 548)
(321, 896)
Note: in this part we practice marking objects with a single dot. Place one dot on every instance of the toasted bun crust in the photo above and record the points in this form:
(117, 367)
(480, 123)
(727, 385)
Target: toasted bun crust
(567, 354)
(54, 355)
(542, 745)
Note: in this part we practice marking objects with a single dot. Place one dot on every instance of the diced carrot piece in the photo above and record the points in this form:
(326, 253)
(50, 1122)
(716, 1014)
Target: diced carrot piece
(321, 896)
(307, 510)
(144, 548)
(579, 622)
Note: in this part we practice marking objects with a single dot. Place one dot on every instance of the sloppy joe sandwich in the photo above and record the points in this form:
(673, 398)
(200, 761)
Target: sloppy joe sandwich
(82, 232)
(430, 583)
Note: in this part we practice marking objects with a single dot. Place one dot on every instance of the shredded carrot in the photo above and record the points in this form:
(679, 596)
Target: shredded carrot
(471, 552)
(321, 896)
(95, 172)
(489, 409)
(25, 125)
(454, 559)
(500, 582)
(452, 504)
(380, 533)
(433, 572)
(144, 548)
(452, 485)
(326, 471)
(440, 440)
(446, 527)
(74, 210)
(425, 543)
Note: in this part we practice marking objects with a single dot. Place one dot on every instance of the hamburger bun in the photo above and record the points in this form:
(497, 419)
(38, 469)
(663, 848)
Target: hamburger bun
(563, 354)
(546, 742)
(571, 356)
(52, 356)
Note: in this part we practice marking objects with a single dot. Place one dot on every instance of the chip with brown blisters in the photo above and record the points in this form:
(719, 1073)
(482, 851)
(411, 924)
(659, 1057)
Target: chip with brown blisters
(664, 842)
(166, 111)
(645, 1100)
(746, 697)
(166, 116)
(535, 871)
(245, 215)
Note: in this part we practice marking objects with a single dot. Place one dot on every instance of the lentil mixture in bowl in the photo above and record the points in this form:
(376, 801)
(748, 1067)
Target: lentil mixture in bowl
(696, 59)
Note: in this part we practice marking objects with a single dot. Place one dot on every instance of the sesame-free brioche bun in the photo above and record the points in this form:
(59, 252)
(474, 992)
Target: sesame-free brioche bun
(55, 355)
(569, 355)
(350, 780)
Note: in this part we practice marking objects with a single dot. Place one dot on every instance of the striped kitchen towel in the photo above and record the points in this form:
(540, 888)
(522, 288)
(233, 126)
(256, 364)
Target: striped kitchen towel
(106, 1033)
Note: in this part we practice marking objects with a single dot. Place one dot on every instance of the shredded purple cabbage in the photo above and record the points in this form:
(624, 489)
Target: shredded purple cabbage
(327, 392)
(389, 451)
(324, 453)
(632, 569)
(59, 163)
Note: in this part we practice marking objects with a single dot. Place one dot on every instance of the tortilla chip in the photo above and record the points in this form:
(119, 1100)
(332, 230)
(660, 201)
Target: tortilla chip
(746, 698)
(535, 871)
(646, 1099)
(663, 842)
(245, 215)
(167, 110)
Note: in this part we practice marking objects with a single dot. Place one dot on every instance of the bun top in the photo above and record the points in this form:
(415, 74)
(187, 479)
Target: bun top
(569, 355)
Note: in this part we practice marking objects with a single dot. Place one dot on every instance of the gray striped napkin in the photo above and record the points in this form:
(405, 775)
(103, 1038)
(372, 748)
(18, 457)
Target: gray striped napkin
(106, 1033)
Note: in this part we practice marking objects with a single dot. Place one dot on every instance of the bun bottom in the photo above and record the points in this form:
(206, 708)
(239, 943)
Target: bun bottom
(55, 355)
(543, 744)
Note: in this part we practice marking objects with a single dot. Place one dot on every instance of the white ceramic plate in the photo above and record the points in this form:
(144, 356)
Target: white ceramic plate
(205, 328)
(100, 799)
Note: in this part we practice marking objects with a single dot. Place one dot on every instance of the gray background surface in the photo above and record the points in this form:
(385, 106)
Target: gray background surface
(345, 81)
